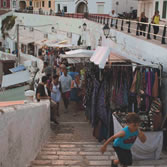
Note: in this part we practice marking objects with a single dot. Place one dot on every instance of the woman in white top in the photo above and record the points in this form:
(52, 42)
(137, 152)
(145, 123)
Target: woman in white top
(55, 92)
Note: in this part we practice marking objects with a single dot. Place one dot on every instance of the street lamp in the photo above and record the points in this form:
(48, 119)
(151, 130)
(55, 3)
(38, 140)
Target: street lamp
(52, 29)
(84, 26)
(106, 31)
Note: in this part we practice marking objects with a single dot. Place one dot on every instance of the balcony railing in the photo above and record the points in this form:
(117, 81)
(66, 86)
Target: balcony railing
(147, 30)
(129, 26)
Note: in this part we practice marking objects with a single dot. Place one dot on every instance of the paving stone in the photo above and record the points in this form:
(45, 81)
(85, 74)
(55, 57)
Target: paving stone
(65, 162)
(41, 162)
(49, 152)
(66, 153)
(47, 157)
(98, 157)
(70, 149)
(50, 149)
(67, 146)
(95, 149)
(76, 157)
(89, 153)
(99, 163)
(51, 146)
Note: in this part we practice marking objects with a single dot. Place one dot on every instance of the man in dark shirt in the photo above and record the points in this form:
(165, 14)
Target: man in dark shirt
(41, 94)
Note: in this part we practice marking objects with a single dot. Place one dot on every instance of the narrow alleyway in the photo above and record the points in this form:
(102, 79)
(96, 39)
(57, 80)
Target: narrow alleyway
(72, 144)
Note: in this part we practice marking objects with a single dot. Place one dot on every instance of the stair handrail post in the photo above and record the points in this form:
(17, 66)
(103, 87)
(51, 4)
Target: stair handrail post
(122, 25)
(137, 29)
(149, 30)
(129, 23)
(163, 36)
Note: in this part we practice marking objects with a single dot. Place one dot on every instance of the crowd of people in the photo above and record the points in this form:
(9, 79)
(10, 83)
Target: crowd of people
(61, 81)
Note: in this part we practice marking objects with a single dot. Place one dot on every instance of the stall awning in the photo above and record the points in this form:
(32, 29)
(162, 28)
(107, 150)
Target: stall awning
(100, 56)
(81, 53)
(78, 56)
(103, 55)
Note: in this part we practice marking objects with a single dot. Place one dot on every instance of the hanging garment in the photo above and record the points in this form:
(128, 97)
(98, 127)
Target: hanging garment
(103, 133)
(125, 95)
(96, 130)
(155, 92)
(138, 82)
(94, 101)
(133, 86)
(101, 106)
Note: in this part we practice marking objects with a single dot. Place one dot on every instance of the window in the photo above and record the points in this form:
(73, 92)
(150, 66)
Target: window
(14, 4)
(49, 4)
(164, 12)
(65, 8)
(30, 3)
(100, 9)
(58, 7)
(156, 6)
(4, 3)
(43, 3)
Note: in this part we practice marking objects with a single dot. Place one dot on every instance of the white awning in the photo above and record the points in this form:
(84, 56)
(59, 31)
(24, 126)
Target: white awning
(15, 78)
(100, 56)
(80, 53)
(106, 54)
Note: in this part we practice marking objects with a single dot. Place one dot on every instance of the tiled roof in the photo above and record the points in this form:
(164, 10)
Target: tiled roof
(4, 12)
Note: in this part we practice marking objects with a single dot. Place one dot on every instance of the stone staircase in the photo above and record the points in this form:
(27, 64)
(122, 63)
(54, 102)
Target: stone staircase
(73, 154)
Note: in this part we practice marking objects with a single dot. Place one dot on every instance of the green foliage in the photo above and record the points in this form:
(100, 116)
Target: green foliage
(7, 24)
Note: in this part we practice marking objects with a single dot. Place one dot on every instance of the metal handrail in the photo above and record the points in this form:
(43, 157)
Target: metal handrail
(148, 33)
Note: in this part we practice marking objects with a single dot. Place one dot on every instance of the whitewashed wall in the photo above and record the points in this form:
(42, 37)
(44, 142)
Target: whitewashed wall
(124, 5)
(126, 44)
(23, 130)
(109, 5)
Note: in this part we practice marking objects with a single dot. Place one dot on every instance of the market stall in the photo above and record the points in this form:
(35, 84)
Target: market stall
(77, 56)
(120, 86)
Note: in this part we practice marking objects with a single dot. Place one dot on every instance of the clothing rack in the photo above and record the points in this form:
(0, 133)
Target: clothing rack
(139, 65)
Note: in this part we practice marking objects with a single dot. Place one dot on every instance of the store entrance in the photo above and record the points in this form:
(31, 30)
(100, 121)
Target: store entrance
(81, 8)
(22, 5)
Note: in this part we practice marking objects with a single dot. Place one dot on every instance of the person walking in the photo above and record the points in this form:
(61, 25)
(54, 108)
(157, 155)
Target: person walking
(143, 19)
(65, 82)
(113, 16)
(124, 140)
(42, 93)
(76, 92)
(155, 20)
(56, 95)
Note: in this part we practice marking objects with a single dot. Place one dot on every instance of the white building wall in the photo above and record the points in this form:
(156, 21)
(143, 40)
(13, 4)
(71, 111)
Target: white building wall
(93, 6)
(124, 5)
(24, 129)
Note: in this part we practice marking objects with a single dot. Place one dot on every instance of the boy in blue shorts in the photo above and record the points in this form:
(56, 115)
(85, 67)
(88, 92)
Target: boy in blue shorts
(124, 140)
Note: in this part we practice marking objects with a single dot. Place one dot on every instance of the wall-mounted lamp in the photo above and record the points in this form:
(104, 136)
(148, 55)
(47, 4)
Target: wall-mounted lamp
(69, 34)
(52, 29)
(84, 26)
(106, 31)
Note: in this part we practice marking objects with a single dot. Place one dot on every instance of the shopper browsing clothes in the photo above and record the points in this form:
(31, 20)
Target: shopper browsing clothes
(65, 82)
(124, 140)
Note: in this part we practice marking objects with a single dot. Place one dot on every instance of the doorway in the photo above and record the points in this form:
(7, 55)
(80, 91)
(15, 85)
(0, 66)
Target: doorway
(81, 8)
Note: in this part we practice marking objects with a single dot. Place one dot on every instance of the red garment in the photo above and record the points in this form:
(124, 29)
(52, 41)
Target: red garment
(155, 92)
